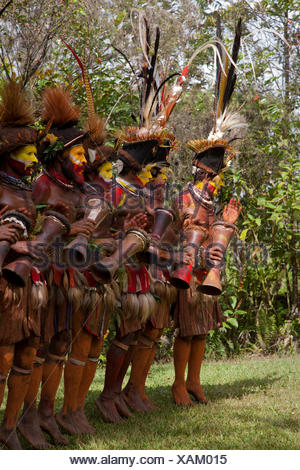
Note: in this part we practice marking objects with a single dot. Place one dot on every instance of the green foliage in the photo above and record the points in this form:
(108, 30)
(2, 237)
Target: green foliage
(262, 264)
(266, 330)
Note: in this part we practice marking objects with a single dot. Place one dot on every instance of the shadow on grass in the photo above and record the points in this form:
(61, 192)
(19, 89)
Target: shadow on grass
(240, 388)
(162, 397)
(170, 420)
(216, 392)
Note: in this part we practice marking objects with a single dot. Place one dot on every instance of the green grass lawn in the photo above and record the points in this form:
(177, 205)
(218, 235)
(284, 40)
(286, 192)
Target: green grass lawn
(254, 403)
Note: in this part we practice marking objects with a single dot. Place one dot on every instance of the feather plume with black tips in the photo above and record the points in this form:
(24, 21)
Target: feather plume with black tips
(218, 67)
(231, 77)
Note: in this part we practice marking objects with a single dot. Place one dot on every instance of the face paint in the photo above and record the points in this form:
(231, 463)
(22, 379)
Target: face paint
(164, 174)
(75, 162)
(24, 160)
(92, 155)
(218, 181)
(213, 186)
(77, 155)
(105, 171)
(145, 174)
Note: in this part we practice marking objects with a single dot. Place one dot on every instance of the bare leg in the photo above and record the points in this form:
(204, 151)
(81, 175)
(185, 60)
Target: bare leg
(18, 382)
(182, 349)
(194, 367)
(150, 405)
(73, 373)
(114, 362)
(86, 381)
(142, 359)
(120, 397)
(6, 361)
(29, 424)
(52, 373)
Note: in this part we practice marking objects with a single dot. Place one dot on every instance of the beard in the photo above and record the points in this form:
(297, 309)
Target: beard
(20, 168)
(72, 172)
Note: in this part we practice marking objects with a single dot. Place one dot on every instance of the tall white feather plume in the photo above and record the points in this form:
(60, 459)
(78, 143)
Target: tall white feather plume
(227, 121)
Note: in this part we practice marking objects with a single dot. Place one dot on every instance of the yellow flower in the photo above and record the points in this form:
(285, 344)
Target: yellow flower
(51, 138)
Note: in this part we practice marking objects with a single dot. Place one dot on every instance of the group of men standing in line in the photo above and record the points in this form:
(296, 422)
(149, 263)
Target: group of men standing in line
(81, 246)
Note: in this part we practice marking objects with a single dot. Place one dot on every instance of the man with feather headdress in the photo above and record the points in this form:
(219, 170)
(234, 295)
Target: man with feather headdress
(197, 310)
(147, 146)
(20, 316)
(62, 186)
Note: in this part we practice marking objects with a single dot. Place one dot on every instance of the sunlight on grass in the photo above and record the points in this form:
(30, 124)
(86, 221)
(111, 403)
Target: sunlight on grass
(253, 404)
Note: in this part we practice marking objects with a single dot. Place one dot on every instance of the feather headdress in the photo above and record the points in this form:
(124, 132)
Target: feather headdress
(95, 133)
(155, 101)
(58, 107)
(16, 116)
(225, 120)
(61, 116)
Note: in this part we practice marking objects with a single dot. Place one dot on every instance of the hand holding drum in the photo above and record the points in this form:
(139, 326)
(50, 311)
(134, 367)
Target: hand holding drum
(222, 232)
(14, 225)
(97, 210)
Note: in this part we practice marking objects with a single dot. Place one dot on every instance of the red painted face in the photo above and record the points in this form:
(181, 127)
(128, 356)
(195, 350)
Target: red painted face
(74, 163)
(23, 161)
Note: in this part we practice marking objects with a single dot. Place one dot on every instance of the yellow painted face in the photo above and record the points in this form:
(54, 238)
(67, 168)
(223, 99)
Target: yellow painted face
(23, 160)
(219, 182)
(164, 174)
(25, 155)
(105, 171)
(145, 174)
(214, 185)
(77, 155)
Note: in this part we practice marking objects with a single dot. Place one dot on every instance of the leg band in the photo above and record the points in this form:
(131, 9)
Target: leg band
(54, 357)
(120, 345)
(2, 378)
(39, 361)
(19, 370)
(76, 362)
(146, 342)
(93, 359)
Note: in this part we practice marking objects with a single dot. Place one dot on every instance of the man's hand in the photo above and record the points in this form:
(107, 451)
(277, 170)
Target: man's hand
(139, 220)
(82, 227)
(27, 248)
(232, 211)
(214, 255)
(9, 232)
(61, 207)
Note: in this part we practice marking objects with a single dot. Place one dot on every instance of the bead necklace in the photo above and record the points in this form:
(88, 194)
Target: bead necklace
(15, 182)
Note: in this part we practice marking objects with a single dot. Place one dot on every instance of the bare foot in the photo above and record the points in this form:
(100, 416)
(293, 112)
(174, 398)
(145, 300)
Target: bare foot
(29, 427)
(68, 422)
(121, 406)
(85, 426)
(108, 410)
(149, 404)
(9, 438)
(49, 425)
(133, 399)
(196, 390)
(180, 395)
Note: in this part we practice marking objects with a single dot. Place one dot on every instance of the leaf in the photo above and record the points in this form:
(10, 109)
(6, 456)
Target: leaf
(233, 301)
(244, 234)
(233, 322)
(227, 313)
(241, 312)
